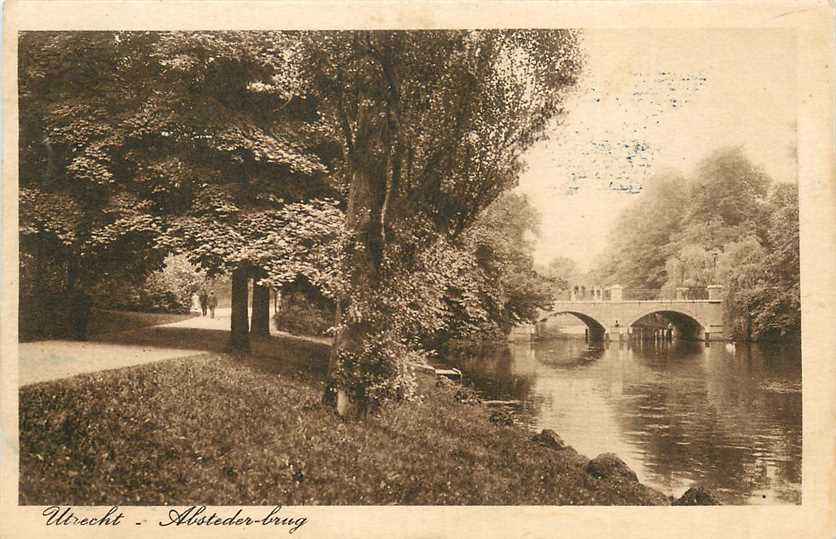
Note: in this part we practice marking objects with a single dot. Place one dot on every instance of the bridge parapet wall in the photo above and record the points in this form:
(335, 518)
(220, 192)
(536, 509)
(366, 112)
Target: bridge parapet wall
(619, 293)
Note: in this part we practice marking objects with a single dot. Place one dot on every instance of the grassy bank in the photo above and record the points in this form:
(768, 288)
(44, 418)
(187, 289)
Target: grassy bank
(224, 430)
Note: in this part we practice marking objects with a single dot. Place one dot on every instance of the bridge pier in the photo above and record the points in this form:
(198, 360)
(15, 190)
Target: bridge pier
(597, 334)
(615, 330)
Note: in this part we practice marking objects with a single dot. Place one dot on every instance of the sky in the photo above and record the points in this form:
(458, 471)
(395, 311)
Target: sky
(651, 101)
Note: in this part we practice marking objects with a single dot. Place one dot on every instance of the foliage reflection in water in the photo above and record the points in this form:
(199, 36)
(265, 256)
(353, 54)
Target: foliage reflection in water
(680, 413)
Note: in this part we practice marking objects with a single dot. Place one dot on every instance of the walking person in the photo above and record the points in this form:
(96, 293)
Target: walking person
(212, 302)
(204, 299)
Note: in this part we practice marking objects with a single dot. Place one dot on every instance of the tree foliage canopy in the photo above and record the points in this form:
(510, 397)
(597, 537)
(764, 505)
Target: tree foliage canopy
(432, 126)
(362, 162)
(129, 136)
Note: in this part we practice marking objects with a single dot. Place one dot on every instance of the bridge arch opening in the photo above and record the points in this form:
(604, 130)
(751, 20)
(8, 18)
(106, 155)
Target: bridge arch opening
(596, 328)
(684, 325)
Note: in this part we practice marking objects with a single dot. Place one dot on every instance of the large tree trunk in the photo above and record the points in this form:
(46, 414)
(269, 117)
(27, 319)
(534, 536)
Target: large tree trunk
(261, 310)
(374, 182)
(364, 217)
(239, 336)
(334, 395)
(72, 273)
(39, 317)
(79, 303)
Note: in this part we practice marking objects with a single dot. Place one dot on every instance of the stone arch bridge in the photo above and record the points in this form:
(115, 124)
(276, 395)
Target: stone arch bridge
(615, 318)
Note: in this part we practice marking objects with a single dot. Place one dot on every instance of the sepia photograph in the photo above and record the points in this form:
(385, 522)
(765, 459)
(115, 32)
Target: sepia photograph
(522, 266)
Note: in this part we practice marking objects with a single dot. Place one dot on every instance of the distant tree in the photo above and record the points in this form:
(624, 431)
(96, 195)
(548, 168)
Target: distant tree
(740, 268)
(563, 271)
(169, 289)
(495, 285)
(782, 236)
(642, 239)
(726, 200)
(752, 223)
(764, 297)
(502, 240)
(692, 266)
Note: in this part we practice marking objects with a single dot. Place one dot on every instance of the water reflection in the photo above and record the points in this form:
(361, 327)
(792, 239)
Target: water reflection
(678, 413)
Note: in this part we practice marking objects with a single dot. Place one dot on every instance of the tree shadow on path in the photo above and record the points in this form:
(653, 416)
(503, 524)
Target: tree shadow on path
(301, 352)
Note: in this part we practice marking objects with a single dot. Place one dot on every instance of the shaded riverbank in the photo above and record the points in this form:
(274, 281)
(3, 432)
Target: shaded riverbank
(228, 430)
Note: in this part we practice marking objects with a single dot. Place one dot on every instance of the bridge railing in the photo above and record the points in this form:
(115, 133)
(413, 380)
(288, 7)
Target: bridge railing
(693, 292)
(635, 294)
(697, 292)
(645, 294)
(563, 295)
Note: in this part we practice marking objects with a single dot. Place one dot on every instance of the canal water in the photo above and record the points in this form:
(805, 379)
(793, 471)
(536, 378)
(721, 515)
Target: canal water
(679, 414)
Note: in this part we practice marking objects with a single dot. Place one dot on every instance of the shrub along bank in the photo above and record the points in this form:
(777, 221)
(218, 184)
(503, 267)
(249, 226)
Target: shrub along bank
(229, 430)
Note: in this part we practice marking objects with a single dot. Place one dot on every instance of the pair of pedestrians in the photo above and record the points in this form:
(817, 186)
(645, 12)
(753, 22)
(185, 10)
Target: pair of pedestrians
(209, 302)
